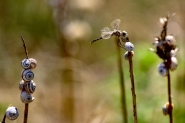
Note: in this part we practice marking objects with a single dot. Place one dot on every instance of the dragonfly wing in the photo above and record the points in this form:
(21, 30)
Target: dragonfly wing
(106, 29)
(106, 35)
(115, 24)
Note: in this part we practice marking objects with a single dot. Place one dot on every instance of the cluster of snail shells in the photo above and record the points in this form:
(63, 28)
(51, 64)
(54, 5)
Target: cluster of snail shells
(27, 85)
(129, 47)
(162, 68)
(12, 113)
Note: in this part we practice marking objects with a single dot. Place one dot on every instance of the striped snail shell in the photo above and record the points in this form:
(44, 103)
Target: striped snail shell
(33, 63)
(26, 64)
(30, 86)
(12, 113)
(26, 97)
(27, 75)
(21, 85)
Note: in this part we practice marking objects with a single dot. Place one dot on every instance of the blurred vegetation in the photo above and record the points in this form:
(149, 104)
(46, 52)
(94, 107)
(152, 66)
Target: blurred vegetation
(58, 35)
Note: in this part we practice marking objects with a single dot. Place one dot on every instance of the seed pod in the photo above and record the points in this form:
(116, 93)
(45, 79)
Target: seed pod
(30, 86)
(26, 64)
(33, 63)
(170, 40)
(26, 97)
(174, 64)
(12, 113)
(27, 75)
(162, 69)
(129, 46)
(21, 85)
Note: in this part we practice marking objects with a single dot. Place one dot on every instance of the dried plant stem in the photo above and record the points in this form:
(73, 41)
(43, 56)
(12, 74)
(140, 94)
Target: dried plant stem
(133, 88)
(26, 105)
(26, 113)
(122, 84)
(24, 45)
(169, 98)
(4, 118)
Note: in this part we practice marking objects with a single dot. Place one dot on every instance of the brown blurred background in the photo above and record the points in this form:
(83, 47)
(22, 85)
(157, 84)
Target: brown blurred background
(78, 82)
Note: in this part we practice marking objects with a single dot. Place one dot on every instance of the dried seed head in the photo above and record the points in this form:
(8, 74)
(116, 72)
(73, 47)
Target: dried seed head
(129, 46)
(162, 69)
(30, 86)
(27, 75)
(12, 113)
(26, 97)
(174, 63)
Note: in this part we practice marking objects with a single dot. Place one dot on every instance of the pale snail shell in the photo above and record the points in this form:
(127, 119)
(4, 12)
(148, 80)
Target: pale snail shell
(33, 63)
(27, 75)
(12, 113)
(26, 97)
(165, 110)
(129, 46)
(30, 86)
(128, 54)
(174, 63)
(162, 69)
(30, 63)
(170, 40)
(21, 85)
(26, 64)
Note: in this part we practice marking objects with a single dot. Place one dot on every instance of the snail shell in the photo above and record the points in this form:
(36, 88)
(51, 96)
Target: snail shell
(129, 46)
(26, 97)
(21, 85)
(174, 63)
(12, 113)
(170, 40)
(27, 75)
(33, 63)
(26, 64)
(162, 69)
(30, 86)
(165, 110)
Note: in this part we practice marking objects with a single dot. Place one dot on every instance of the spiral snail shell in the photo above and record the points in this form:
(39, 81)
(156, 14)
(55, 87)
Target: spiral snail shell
(33, 63)
(26, 64)
(21, 85)
(30, 86)
(30, 63)
(27, 75)
(12, 113)
(26, 97)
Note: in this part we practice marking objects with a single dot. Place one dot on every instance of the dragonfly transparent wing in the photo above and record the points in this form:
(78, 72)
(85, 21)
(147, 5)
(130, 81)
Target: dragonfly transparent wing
(115, 24)
(106, 33)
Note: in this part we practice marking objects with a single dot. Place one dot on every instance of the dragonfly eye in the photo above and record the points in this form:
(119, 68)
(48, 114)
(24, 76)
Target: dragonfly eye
(124, 34)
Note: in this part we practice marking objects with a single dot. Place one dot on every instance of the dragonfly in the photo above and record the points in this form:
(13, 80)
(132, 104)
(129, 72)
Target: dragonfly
(106, 33)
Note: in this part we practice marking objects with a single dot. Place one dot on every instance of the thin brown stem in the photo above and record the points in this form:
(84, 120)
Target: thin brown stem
(169, 98)
(122, 84)
(24, 45)
(4, 118)
(133, 88)
(26, 113)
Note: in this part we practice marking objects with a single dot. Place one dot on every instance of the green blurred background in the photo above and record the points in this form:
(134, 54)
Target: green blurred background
(78, 82)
